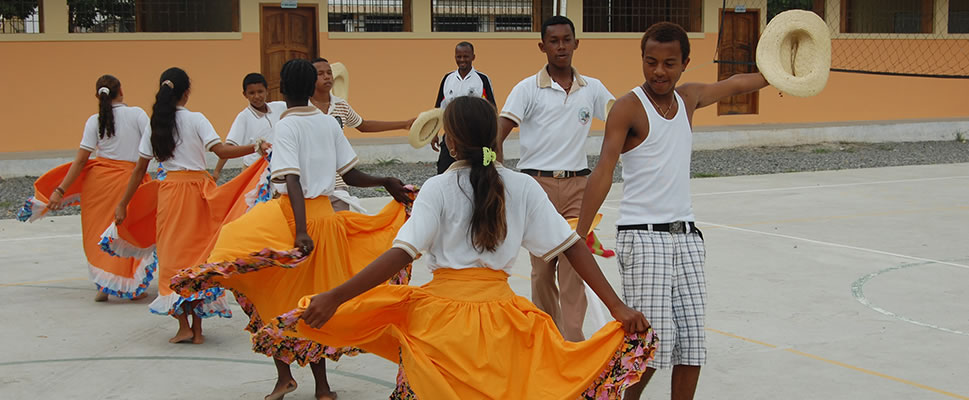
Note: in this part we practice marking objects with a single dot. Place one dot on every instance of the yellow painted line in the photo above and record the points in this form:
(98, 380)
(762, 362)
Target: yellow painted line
(848, 366)
(742, 338)
(521, 276)
(41, 282)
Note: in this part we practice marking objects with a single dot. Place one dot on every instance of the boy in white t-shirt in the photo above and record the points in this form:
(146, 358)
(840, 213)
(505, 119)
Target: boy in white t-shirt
(255, 122)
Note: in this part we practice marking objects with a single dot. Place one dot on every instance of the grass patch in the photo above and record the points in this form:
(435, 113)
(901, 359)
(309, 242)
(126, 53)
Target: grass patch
(7, 204)
(389, 161)
(960, 137)
(820, 151)
(706, 175)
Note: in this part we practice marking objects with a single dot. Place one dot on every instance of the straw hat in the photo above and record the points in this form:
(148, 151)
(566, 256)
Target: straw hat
(426, 127)
(794, 53)
(341, 81)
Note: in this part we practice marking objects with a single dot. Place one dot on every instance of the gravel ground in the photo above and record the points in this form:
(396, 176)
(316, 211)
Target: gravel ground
(706, 164)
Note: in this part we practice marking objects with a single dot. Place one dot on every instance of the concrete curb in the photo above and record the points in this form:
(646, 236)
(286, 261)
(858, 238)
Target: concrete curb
(375, 150)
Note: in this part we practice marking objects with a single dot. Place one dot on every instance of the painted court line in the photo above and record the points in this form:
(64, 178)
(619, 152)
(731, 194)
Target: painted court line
(843, 365)
(41, 282)
(41, 237)
(843, 246)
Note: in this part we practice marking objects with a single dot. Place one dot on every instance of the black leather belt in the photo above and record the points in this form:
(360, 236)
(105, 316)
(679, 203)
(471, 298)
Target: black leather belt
(672, 227)
(557, 174)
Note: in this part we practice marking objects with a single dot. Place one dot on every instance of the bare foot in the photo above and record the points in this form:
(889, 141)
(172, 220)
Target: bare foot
(198, 339)
(281, 390)
(101, 297)
(181, 336)
(140, 296)
(326, 396)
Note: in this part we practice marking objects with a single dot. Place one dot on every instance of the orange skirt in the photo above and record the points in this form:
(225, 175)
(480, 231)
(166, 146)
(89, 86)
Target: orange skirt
(187, 210)
(466, 335)
(344, 243)
(101, 185)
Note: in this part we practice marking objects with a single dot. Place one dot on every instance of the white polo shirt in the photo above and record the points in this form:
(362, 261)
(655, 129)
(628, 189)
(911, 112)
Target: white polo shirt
(251, 125)
(441, 217)
(130, 124)
(341, 108)
(474, 84)
(554, 125)
(195, 135)
(310, 144)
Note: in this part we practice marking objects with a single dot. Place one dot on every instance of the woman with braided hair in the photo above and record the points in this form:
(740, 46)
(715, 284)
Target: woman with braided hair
(328, 247)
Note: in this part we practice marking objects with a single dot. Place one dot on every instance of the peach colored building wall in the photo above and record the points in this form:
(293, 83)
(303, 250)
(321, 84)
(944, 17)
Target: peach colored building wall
(49, 88)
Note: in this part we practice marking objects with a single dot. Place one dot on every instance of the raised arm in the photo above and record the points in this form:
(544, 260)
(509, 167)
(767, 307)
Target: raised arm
(379, 126)
(76, 167)
(225, 151)
(137, 173)
(597, 187)
(323, 305)
(505, 126)
(581, 259)
(704, 94)
(394, 186)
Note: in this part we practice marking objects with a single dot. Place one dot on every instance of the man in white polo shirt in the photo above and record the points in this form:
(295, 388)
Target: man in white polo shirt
(553, 110)
(465, 81)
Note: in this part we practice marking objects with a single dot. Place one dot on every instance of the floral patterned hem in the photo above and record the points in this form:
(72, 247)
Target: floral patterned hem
(125, 288)
(625, 368)
(34, 209)
(272, 341)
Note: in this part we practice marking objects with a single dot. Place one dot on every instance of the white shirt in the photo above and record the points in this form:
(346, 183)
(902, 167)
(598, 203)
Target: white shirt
(340, 108)
(130, 124)
(473, 84)
(251, 125)
(553, 124)
(310, 144)
(656, 173)
(439, 222)
(194, 136)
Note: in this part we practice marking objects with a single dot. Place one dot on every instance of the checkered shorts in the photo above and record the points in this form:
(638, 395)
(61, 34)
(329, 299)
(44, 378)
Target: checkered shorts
(662, 276)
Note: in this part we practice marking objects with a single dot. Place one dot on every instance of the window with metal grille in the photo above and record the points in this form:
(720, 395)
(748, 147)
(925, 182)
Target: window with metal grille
(887, 16)
(958, 16)
(775, 7)
(487, 15)
(369, 15)
(153, 16)
(637, 15)
(21, 16)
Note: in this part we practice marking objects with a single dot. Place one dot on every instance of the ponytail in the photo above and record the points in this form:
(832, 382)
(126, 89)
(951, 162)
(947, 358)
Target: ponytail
(472, 123)
(171, 88)
(109, 88)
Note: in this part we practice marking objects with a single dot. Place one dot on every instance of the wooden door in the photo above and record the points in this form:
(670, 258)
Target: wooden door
(738, 44)
(286, 33)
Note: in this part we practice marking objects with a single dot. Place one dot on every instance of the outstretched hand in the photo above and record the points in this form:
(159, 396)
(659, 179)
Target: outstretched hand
(320, 310)
(397, 189)
(632, 321)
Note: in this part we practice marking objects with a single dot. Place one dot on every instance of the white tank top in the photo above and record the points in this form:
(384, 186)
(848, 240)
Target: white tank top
(656, 174)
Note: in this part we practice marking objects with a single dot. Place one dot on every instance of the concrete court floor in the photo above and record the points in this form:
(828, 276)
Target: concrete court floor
(823, 285)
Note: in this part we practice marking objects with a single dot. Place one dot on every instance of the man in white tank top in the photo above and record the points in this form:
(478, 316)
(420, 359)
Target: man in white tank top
(661, 252)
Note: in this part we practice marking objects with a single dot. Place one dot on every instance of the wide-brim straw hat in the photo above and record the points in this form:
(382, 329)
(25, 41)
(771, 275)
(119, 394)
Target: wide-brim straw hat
(794, 53)
(426, 127)
(341, 81)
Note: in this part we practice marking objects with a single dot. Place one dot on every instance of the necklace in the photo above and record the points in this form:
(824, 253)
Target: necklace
(668, 109)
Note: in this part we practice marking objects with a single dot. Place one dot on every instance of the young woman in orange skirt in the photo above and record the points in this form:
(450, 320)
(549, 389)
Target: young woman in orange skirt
(330, 247)
(189, 209)
(466, 335)
(114, 133)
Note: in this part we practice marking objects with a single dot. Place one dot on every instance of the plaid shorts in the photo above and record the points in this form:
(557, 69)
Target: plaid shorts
(662, 276)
